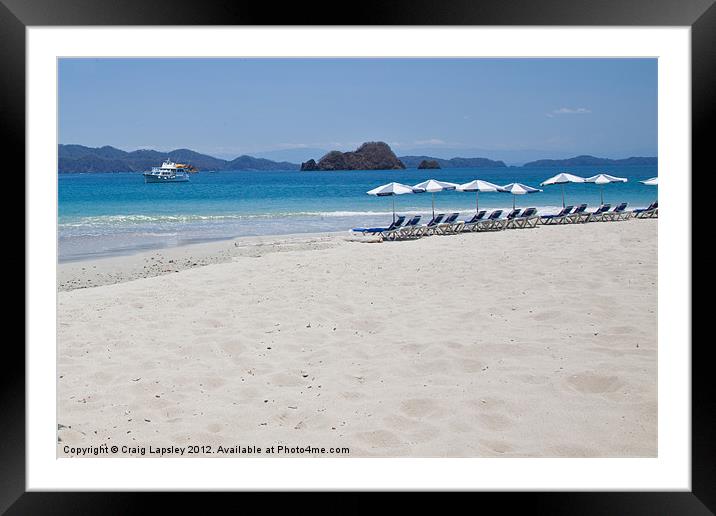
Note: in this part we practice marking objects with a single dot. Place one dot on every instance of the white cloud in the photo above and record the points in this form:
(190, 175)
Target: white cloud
(569, 111)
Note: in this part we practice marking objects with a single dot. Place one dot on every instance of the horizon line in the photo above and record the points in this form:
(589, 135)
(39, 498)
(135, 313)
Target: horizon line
(405, 155)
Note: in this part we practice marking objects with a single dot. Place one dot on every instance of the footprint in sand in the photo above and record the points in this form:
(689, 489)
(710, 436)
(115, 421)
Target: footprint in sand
(420, 407)
(495, 421)
(470, 366)
(351, 395)
(622, 330)
(232, 347)
(592, 383)
(400, 424)
(413, 348)
(212, 323)
(532, 379)
(287, 380)
(214, 428)
(497, 446)
(379, 439)
(180, 439)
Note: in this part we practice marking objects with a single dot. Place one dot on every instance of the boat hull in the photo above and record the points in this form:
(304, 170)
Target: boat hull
(153, 178)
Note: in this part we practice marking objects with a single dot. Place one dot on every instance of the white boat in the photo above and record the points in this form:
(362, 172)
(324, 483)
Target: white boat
(169, 172)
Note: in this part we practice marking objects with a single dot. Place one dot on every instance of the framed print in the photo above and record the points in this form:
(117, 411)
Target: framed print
(429, 250)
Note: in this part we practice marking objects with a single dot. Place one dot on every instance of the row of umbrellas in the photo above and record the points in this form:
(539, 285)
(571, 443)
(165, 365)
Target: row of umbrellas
(477, 186)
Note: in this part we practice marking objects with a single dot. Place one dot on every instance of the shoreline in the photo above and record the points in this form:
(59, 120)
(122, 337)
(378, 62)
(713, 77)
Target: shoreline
(109, 270)
(119, 268)
(108, 236)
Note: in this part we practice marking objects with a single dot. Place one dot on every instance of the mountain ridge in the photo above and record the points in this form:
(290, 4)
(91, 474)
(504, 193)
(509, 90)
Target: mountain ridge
(80, 158)
(586, 160)
(457, 162)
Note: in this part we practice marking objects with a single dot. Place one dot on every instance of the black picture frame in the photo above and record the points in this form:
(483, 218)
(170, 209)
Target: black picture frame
(700, 15)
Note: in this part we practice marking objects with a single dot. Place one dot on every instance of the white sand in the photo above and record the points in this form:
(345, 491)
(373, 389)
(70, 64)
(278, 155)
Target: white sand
(536, 342)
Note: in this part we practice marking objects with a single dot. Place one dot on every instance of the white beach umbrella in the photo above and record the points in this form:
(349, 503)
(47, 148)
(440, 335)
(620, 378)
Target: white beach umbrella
(562, 179)
(603, 179)
(478, 186)
(391, 189)
(519, 189)
(432, 186)
(654, 181)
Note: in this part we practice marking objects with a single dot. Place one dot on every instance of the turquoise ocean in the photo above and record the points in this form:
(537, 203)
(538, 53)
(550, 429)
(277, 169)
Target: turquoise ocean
(108, 214)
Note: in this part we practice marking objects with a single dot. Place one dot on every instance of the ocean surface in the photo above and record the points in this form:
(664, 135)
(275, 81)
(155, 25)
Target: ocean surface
(114, 214)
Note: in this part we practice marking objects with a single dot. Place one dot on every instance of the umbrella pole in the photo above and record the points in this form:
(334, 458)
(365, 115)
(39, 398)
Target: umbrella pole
(562, 196)
(513, 201)
(433, 205)
(477, 202)
(601, 192)
(393, 196)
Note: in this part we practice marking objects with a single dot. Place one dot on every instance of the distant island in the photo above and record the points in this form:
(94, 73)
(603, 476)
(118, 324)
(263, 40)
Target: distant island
(591, 161)
(414, 162)
(369, 156)
(427, 164)
(78, 158)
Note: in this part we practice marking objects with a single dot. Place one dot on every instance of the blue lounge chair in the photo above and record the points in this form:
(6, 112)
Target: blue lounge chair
(528, 219)
(646, 213)
(425, 228)
(469, 224)
(618, 213)
(448, 225)
(596, 214)
(487, 224)
(402, 232)
(450, 219)
(575, 216)
(502, 223)
(395, 224)
(556, 218)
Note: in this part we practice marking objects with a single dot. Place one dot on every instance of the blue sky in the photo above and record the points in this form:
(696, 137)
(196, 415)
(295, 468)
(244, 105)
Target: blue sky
(512, 109)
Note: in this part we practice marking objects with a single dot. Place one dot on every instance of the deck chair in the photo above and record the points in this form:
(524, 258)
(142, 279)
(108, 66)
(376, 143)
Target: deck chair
(447, 226)
(502, 223)
(402, 232)
(575, 216)
(556, 218)
(395, 224)
(425, 229)
(528, 219)
(596, 215)
(469, 224)
(618, 213)
(487, 224)
(647, 213)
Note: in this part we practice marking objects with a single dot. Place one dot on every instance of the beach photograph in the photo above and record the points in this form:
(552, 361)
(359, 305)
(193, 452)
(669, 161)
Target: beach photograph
(357, 257)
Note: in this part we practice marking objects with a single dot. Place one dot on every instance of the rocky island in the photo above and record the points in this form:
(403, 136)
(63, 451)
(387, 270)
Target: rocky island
(369, 156)
(428, 164)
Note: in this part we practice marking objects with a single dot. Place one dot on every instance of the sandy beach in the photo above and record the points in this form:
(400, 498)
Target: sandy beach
(521, 343)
